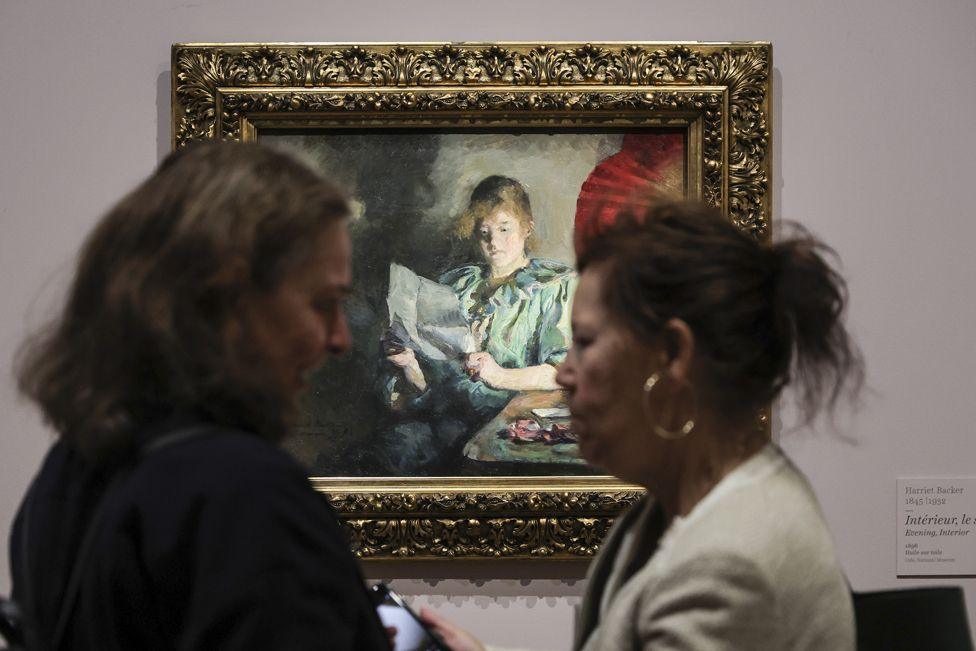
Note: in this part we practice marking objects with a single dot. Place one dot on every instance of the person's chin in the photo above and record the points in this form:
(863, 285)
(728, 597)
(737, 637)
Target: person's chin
(291, 395)
(586, 443)
(592, 460)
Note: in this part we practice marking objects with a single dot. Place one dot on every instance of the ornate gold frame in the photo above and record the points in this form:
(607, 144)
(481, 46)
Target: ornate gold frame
(719, 92)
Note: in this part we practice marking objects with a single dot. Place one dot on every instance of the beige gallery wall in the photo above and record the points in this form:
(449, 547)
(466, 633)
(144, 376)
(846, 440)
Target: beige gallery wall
(874, 150)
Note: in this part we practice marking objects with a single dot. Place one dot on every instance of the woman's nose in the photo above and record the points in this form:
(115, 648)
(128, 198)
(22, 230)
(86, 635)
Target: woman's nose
(338, 338)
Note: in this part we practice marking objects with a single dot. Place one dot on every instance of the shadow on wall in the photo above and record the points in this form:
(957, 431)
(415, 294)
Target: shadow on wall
(505, 583)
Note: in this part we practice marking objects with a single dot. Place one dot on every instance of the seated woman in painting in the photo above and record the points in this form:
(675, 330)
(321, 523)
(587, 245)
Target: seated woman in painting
(518, 308)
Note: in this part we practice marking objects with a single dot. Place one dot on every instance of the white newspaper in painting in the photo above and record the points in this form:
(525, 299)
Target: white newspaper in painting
(426, 316)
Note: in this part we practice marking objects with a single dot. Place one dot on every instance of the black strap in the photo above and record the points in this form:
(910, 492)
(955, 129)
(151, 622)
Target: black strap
(73, 588)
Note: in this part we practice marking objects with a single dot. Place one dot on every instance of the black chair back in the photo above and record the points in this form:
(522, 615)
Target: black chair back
(933, 619)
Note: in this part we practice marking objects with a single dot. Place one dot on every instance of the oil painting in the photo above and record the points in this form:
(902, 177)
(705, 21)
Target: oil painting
(463, 284)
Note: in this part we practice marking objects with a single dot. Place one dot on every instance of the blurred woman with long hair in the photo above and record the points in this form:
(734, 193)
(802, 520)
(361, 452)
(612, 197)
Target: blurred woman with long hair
(166, 515)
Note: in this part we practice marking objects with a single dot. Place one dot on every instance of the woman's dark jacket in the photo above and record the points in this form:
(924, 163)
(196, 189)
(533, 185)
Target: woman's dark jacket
(215, 542)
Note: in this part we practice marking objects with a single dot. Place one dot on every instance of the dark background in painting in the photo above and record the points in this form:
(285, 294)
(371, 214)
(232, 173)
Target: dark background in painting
(408, 187)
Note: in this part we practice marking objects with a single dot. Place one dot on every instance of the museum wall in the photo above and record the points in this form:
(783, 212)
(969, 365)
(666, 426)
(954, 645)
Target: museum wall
(874, 148)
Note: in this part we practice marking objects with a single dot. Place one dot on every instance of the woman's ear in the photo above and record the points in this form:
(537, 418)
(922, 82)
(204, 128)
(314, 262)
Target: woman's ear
(679, 349)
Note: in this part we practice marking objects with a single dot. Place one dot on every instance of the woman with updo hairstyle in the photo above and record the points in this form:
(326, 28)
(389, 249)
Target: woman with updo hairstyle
(166, 515)
(684, 328)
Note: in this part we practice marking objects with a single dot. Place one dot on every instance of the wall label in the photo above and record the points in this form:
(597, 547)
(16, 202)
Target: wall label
(936, 526)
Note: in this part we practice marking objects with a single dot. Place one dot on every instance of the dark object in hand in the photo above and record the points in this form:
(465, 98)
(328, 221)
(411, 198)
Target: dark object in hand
(391, 346)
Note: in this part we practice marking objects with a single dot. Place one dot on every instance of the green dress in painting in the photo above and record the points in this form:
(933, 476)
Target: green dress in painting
(525, 321)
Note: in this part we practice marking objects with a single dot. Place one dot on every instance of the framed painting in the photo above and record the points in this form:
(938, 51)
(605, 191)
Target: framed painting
(471, 168)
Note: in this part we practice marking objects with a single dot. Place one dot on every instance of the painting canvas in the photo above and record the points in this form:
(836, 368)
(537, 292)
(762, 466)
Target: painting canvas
(488, 219)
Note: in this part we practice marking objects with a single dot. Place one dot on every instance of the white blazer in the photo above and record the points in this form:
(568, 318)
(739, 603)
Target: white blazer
(751, 567)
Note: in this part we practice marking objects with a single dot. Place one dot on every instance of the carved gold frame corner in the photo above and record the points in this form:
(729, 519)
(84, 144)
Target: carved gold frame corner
(719, 92)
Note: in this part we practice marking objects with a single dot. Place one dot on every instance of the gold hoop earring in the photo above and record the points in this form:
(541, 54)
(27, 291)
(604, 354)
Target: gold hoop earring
(667, 434)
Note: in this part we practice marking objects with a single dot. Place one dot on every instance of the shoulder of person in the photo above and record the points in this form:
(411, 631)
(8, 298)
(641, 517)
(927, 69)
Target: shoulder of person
(770, 516)
(217, 485)
(543, 273)
(750, 507)
(547, 268)
(766, 560)
(462, 276)
(218, 461)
